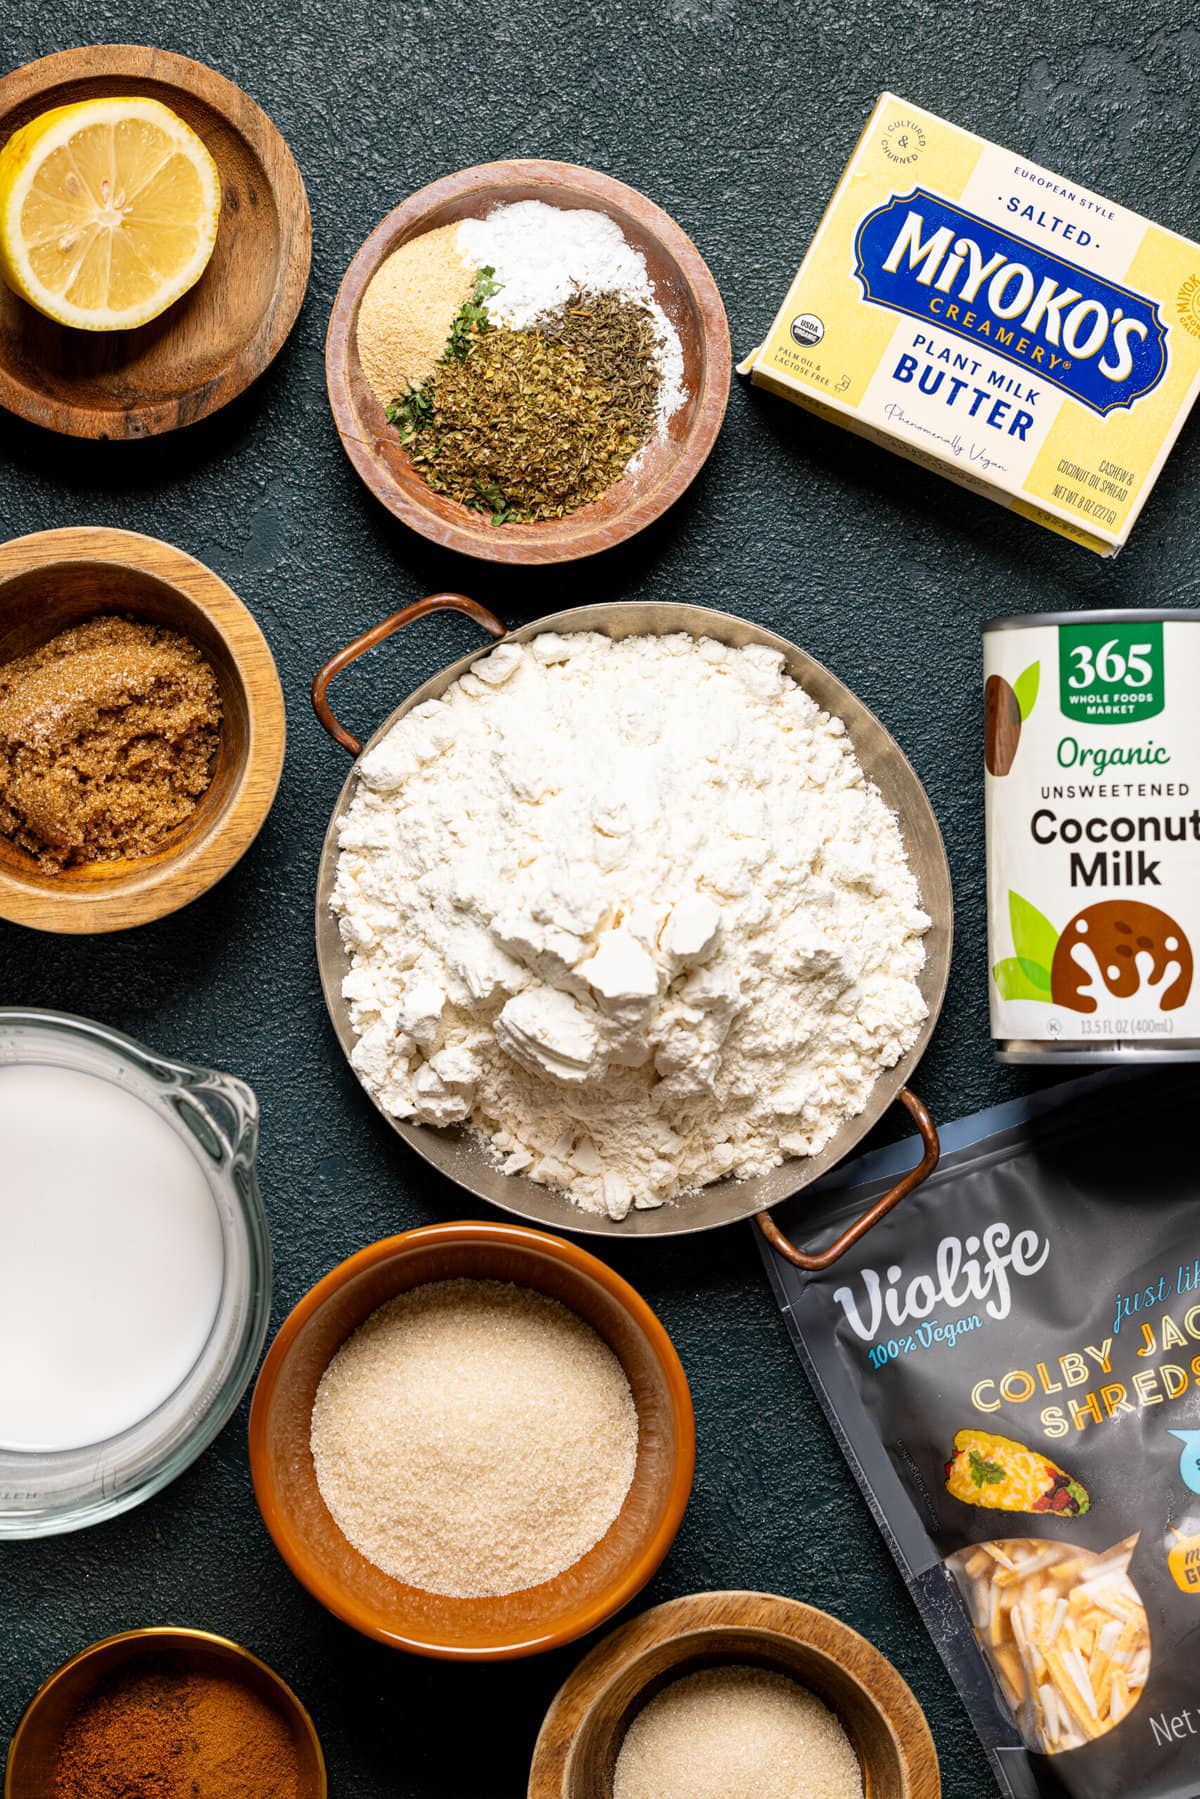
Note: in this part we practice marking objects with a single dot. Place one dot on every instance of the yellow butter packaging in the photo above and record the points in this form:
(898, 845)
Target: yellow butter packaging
(994, 322)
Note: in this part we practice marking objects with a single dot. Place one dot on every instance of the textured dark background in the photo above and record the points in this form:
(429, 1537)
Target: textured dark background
(736, 118)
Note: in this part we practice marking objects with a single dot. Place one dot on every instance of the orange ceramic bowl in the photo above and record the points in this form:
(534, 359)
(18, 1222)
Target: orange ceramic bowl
(524, 1623)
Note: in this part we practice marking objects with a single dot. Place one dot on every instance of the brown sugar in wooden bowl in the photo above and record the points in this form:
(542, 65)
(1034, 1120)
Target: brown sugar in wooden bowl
(405, 1617)
(56, 579)
(208, 347)
(580, 1740)
(683, 287)
(33, 1753)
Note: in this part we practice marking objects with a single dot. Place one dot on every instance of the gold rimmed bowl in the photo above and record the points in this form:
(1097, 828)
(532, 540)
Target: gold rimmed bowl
(33, 1752)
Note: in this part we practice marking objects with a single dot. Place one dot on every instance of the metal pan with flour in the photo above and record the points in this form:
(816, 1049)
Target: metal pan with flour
(459, 1153)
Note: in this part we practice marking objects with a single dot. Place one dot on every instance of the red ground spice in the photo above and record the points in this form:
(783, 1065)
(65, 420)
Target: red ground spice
(156, 1730)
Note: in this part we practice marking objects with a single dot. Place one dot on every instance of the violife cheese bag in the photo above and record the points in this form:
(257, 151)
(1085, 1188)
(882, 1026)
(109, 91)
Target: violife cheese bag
(1011, 1362)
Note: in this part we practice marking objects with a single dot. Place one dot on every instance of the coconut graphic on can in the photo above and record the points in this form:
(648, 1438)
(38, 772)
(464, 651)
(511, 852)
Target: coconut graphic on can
(1092, 765)
(1005, 708)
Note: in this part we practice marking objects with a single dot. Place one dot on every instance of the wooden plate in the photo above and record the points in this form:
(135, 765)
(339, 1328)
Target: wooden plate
(685, 290)
(212, 343)
(56, 579)
(581, 1738)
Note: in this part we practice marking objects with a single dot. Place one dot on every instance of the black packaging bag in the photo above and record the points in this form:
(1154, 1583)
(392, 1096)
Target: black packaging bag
(1037, 1299)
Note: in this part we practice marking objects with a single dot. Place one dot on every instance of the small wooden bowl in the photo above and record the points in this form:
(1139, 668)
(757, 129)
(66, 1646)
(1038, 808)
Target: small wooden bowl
(684, 288)
(580, 1740)
(524, 1623)
(29, 1773)
(55, 579)
(211, 344)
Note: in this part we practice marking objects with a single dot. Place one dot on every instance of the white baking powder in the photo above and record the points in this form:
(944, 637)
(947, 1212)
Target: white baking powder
(632, 910)
(543, 254)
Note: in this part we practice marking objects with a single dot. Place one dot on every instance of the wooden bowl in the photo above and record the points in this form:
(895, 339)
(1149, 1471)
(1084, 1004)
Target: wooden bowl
(29, 1773)
(59, 578)
(685, 290)
(212, 343)
(405, 1617)
(580, 1740)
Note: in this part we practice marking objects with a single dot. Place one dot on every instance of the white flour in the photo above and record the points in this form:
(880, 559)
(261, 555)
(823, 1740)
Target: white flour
(543, 254)
(630, 908)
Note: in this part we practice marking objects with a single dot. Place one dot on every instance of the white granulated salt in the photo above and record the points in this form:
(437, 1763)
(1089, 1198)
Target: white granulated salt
(632, 910)
(474, 1438)
(736, 1733)
(543, 254)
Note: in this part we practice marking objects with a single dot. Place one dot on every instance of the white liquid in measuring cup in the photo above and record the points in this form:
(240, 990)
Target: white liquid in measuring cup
(110, 1259)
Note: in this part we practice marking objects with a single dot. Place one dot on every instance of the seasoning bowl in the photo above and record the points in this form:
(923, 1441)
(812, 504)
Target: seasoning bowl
(405, 1617)
(683, 287)
(580, 1740)
(56, 579)
(45, 1492)
(29, 1772)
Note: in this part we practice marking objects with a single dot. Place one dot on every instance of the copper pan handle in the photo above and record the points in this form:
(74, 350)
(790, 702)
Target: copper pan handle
(904, 1186)
(435, 602)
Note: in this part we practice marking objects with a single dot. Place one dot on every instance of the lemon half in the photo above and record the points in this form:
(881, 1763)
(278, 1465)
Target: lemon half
(108, 212)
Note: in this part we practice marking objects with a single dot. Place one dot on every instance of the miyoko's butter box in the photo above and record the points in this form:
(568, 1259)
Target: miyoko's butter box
(995, 322)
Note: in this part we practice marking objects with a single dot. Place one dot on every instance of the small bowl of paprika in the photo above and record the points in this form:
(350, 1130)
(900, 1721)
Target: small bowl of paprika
(192, 1711)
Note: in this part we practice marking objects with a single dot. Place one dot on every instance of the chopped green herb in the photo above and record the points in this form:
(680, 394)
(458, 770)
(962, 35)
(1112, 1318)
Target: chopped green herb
(472, 319)
(528, 425)
(984, 1473)
(489, 498)
(409, 413)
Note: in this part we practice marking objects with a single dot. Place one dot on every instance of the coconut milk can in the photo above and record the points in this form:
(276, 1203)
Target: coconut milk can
(1092, 753)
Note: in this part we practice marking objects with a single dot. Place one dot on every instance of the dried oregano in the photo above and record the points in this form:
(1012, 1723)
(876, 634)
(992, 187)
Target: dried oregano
(409, 411)
(615, 338)
(529, 425)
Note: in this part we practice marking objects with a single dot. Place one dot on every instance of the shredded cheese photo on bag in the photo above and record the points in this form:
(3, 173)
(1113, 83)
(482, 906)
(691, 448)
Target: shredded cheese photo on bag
(1064, 1631)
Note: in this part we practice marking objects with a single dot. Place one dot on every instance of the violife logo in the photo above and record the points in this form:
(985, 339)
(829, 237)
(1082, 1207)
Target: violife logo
(1099, 342)
(978, 1272)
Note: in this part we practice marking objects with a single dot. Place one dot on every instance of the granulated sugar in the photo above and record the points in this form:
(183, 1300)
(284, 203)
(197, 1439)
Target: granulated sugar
(736, 1733)
(474, 1438)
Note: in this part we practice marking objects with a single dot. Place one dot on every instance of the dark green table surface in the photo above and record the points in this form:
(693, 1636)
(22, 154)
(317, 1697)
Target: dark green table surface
(737, 119)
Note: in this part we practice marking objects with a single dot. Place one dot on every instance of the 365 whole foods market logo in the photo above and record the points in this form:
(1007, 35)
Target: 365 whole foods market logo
(1111, 674)
(1103, 344)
